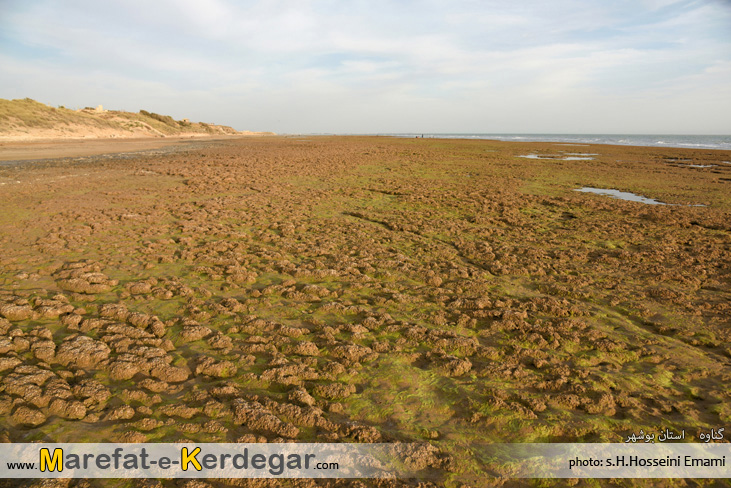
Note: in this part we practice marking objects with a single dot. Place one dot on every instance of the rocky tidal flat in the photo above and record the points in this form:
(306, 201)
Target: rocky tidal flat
(365, 289)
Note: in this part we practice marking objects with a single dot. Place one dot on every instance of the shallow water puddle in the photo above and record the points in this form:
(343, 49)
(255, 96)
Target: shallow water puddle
(625, 195)
(685, 160)
(558, 158)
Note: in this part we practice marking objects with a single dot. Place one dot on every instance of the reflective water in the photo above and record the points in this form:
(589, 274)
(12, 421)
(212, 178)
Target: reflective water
(625, 195)
(557, 158)
(622, 195)
(691, 141)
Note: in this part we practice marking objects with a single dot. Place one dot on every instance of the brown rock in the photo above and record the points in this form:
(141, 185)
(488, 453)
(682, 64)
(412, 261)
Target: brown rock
(16, 313)
(6, 405)
(58, 388)
(334, 391)
(139, 288)
(114, 311)
(67, 409)
(154, 386)
(128, 331)
(417, 456)
(219, 369)
(191, 333)
(123, 412)
(20, 344)
(290, 374)
(6, 345)
(148, 424)
(306, 348)
(132, 437)
(454, 366)
(72, 320)
(8, 363)
(44, 350)
(353, 353)
(82, 352)
(26, 416)
(300, 395)
(79, 285)
(254, 416)
(123, 370)
(220, 341)
(361, 433)
(138, 319)
(158, 328)
(91, 392)
(171, 374)
(181, 411)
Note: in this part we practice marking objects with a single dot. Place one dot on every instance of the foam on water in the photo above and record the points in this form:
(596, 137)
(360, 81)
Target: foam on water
(679, 140)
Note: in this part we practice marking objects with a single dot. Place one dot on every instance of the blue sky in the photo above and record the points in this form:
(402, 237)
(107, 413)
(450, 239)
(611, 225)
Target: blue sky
(565, 66)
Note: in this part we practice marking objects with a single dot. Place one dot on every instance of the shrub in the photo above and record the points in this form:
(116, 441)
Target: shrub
(165, 119)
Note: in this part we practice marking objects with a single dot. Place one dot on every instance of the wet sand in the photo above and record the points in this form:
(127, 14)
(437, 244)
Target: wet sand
(365, 289)
(72, 148)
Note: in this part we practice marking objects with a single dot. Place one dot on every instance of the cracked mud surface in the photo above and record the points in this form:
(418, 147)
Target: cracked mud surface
(353, 289)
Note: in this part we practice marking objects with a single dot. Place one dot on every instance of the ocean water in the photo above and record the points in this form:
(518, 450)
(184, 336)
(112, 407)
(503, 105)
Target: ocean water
(664, 140)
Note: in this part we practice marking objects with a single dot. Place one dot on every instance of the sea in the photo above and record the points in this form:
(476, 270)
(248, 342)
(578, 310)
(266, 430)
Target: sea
(654, 140)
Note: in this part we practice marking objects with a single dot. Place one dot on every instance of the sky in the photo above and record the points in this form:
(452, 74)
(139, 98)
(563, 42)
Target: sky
(448, 66)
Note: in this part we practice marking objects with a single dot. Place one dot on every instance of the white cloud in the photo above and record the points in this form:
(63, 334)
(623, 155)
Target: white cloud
(378, 66)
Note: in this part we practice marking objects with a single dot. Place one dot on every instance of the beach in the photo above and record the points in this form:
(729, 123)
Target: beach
(16, 151)
(459, 292)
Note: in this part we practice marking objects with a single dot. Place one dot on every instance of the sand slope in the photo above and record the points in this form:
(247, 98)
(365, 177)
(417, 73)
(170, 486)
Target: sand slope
(28, 120)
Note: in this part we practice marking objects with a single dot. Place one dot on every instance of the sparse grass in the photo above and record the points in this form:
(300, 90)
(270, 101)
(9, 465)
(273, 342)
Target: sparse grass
(22, 115)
